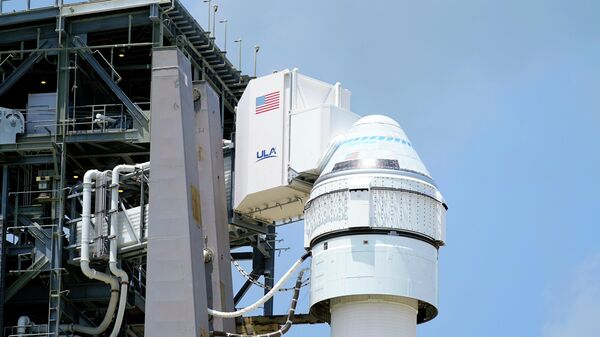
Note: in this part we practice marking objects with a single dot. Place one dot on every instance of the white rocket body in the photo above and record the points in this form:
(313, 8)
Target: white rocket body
(374, 223)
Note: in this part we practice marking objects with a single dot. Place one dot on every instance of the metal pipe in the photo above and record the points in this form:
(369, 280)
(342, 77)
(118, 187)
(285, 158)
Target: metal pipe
(129, 29)
(225, 37)
(22, 324)
(115, 233)
(256, 49)
(215, 9)
(265, 298)
(170, 8)
(86, 217)
(284, 328)
(239, 54)
(6, 59)
(208, 23)
(337, 94)
(122, 304)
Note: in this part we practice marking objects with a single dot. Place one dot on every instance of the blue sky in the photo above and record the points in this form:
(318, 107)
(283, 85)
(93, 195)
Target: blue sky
(501, 99)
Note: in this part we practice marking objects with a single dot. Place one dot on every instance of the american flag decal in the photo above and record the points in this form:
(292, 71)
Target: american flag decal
(267, 102)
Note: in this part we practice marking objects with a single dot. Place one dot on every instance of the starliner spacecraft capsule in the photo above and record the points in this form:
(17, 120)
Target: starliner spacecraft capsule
(374, 223)
(374, 219)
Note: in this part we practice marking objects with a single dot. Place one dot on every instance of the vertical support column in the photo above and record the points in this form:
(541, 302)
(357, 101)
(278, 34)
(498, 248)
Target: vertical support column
(63, 90)
(142, 206)
(214, 207)
(223, 97)
(197, 74)
(175, 290)
(4, 211)
(55, 301)
(62, 107)
(269, 271)
(156, 16)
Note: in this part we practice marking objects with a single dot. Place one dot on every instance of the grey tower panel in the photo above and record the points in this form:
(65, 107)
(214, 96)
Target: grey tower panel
(176, 292)
(214, 206)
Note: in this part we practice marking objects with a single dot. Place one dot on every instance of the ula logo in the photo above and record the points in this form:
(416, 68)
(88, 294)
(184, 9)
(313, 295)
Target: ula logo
(263, 154)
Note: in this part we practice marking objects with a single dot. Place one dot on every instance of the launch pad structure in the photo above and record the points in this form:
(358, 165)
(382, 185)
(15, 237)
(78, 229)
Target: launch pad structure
(77, 90)
(138, 166)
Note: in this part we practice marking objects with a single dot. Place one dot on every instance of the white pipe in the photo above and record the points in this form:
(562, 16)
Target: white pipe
(86, 216)
(295, 90)
(110, 311)
(114, 232)
(265, 298)
(22, 325)
(337, 94)
(121, 311)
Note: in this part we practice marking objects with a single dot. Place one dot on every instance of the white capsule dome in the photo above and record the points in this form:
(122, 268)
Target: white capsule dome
(372, 142)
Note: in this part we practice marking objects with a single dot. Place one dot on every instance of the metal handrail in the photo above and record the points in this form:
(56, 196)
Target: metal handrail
(12, 331)
(26, 5)
(112, 69)
(86, 115)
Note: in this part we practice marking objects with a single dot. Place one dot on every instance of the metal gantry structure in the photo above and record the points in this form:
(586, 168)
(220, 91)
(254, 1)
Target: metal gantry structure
(80, 78)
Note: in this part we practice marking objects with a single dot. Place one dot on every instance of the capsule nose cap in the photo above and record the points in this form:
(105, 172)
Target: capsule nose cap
(376, 119)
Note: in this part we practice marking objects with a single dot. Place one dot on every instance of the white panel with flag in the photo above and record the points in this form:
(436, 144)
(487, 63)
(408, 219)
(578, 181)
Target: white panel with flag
(284, 124)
